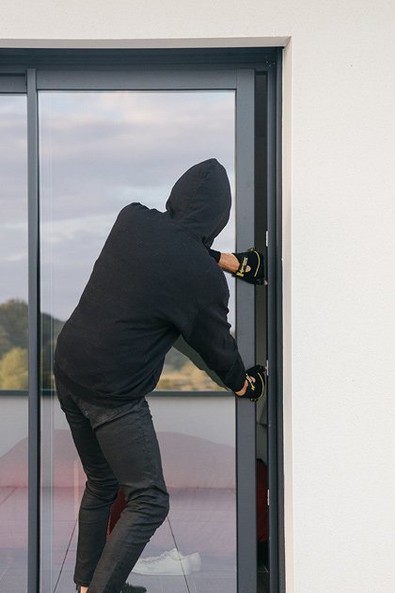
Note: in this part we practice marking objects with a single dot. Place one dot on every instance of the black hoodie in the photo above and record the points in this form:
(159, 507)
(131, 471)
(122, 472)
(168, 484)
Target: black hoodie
(153, 281)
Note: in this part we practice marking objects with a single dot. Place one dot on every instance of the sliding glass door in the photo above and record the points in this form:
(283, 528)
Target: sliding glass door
(13, 343)
(112, 141)
(84, 133)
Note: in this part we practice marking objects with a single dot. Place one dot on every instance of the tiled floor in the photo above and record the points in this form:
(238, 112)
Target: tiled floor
(200, 520)
(13, 539)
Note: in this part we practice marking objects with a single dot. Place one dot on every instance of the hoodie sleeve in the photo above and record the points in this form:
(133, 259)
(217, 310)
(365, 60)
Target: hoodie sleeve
(211, 338)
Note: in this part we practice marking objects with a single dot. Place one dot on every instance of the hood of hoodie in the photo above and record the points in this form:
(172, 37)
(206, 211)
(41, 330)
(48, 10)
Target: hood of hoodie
(200, 200)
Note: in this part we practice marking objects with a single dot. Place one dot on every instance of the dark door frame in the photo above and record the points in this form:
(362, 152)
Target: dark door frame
(19, 73)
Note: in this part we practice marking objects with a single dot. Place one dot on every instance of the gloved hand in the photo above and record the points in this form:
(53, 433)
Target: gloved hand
(256, 383)
(253, 259)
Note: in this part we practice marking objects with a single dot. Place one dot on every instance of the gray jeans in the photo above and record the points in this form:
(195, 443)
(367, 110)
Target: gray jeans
(118, 448)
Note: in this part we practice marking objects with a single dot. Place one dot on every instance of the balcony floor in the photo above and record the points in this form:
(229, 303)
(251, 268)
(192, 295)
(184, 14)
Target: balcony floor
(200, 520)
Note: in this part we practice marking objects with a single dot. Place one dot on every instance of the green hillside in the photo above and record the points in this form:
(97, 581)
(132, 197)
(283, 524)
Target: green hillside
(14, 345)
(179, 373)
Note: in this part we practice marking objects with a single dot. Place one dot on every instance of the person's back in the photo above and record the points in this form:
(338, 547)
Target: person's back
(153, 280)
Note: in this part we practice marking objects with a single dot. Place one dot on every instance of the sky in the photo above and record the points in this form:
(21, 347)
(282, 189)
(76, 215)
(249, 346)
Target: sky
(98, 152)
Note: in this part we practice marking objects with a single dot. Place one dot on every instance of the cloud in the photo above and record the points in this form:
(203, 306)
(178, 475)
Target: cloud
(148, 143)
(13, 161)
(99, 152)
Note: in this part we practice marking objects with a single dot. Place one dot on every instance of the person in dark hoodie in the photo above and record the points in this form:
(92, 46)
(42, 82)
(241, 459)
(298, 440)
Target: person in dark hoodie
(154, 280)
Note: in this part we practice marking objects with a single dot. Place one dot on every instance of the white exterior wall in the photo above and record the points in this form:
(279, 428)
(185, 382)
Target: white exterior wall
(338, 241)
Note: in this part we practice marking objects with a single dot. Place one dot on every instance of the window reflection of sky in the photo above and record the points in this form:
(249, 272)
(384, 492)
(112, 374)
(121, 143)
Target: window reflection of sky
(13, 198)
(98, 152)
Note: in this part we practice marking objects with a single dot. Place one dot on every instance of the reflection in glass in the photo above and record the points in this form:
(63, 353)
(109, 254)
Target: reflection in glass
(99, 152)
(13, 344)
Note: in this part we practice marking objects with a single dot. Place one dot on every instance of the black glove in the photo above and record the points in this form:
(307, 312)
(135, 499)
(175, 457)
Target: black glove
(255, 388)
(253, 259)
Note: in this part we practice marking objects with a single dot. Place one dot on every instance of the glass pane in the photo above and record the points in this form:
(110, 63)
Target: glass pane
(13, 344)
(150, 139)
(99, 152)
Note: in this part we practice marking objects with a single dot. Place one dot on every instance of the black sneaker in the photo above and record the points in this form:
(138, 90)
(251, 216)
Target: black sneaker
(132, 589)
(125, 589)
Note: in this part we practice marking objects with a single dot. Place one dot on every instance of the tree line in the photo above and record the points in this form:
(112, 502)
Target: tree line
(14, 345)
(178, 373)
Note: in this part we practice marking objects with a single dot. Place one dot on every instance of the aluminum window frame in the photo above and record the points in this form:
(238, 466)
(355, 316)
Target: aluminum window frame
(182, 70)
